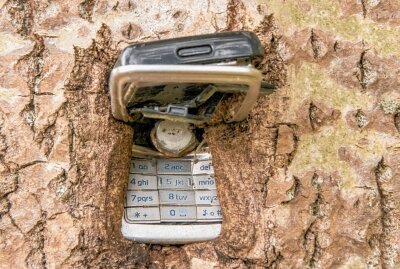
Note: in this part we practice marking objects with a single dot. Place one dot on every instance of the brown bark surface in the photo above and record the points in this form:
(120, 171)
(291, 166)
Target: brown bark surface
(310, 180)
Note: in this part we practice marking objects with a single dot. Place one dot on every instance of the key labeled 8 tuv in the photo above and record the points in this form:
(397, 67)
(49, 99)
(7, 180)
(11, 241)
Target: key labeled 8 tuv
(167, 91)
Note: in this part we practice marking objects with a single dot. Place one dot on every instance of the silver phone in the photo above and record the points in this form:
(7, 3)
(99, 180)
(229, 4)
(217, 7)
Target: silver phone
(168, 91)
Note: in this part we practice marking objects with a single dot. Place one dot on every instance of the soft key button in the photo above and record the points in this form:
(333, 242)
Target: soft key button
(207, 197)
(209, 213)
(174, 167)
(142, 198)
(203, 167)
(142, 182)
(143, 214)
(142, 166)
(178, 213)
(204, 182)
(176, 197)
(174, 182)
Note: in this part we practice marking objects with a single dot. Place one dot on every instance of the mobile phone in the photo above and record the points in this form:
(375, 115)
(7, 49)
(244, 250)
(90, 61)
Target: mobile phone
(168, 90)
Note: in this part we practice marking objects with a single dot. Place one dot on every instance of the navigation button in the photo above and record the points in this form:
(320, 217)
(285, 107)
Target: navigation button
(204, 182)
(176, 197)
(207, 197)
(174, 182)
(142, 198)
(209, 213)
(174, 167)
(178, 213)
(142, 166)
(143, 214)
(203, 167)
(142, 182)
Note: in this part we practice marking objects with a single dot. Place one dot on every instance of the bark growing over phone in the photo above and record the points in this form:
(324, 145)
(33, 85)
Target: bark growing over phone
(310, 179)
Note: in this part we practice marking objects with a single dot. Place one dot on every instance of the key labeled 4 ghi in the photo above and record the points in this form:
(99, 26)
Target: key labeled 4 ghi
(142, 182)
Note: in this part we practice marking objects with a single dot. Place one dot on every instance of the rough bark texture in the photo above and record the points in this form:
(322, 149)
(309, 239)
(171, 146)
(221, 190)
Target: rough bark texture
(310, 180)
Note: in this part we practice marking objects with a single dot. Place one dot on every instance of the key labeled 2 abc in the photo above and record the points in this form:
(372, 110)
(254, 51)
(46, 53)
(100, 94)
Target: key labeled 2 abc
(173, 167)
(142, 198)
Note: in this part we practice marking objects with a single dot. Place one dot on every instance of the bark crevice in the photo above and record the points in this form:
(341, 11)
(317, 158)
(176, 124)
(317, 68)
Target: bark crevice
(388, 241)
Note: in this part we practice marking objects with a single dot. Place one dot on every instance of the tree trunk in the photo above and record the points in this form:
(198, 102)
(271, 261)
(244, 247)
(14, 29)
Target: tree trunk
(310, 180)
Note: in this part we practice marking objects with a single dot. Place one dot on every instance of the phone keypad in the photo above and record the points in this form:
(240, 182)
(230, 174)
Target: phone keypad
(172, 190)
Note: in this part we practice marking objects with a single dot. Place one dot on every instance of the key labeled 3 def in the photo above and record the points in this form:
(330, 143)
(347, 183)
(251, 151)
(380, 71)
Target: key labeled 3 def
(203, 167)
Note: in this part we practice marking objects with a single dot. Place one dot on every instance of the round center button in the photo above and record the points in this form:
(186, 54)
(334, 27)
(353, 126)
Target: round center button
(173, 138)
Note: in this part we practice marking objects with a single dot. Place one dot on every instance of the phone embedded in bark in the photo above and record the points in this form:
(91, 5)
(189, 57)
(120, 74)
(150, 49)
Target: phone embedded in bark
(168, 91)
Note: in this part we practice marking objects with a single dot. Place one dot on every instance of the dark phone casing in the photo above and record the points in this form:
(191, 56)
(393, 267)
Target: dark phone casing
(201, 49)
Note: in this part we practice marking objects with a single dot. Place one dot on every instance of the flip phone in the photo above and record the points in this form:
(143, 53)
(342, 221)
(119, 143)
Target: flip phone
(168, 90)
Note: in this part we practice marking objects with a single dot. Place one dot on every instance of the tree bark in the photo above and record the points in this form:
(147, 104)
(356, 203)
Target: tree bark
(310, 180)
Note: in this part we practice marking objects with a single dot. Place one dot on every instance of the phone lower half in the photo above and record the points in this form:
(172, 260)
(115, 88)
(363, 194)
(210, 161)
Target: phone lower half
(172, 200)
